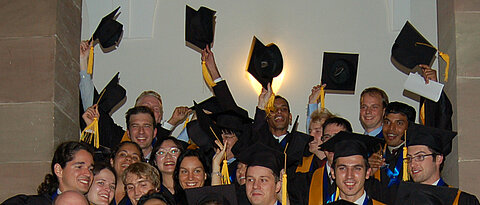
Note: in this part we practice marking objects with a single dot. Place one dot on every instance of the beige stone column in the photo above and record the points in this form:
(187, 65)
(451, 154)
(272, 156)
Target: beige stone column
(467, 25)
(39, 49)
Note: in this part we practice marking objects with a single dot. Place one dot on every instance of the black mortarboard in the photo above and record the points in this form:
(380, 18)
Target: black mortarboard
(264, 62)
(211, 104)
(416, 193)
(402, 108)
(339, 71)
(259, 154)
(232, 119)
(199, 27)
(437, 139)
(203, 137)
(409, 48)
(109, 30)
(345, 144)
(114, 93)
(222, 194)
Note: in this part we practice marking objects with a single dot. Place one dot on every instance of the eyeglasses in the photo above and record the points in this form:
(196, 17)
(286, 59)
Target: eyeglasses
(173, 151)
(417, 158)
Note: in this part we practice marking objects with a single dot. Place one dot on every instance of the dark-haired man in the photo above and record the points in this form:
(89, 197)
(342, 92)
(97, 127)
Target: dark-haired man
(71, 168)
(141, 128)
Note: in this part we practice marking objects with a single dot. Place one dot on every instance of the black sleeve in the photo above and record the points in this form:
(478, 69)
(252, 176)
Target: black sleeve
(110, 133)
(438, 114)
(224, 96)
(467, 199)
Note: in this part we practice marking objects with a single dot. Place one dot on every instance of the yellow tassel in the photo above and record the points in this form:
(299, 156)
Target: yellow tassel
(225, 175)
(192, 145)
(322, 98)
(90, 61)
(91, 133)
(270, 104)
(446, 58)
(337, 194)
(284, 177)
(206, 75)
(422, 114)
(405, 165)
(186, 122)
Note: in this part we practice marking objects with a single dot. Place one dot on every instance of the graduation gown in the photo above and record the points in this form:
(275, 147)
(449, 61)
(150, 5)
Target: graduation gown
(464, 198)
(23, 199)
(438, 114)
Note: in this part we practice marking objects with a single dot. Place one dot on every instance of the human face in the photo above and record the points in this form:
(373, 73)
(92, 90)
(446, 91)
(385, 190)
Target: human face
(103, 188)
(394, 127)
(166, 157)
(142, 130)
(126, 155)
(426, 171)
(371, 111)
(77, 174)
(137, 187)
(316, 131)
(154, 202)
(230, 138)
(350, 174)
(280, 118)
(154, 104)
(240, 173)
(329, 132)
(191, 173)
(261, 186)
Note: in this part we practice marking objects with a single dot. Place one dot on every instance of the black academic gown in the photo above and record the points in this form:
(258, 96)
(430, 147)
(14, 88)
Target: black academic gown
(22, 199)
(465, 198)
(438, 114)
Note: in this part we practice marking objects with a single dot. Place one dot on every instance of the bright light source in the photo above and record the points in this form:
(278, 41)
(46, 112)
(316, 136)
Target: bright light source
(277, 82)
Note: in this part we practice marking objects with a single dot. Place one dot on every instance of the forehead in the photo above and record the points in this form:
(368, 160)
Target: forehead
(129, 148)
(396, 116)
(371, 98)
(317, 124)
(168, 144)
(148, 99)
(333, 128)
(353, 160)
(133, 177)
(141, 118)
(106, 175)
(280, 102)
(82, 156)
(417, 148)
(259, 171)
(191, 161)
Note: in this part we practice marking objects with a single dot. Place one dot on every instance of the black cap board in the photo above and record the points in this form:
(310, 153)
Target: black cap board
(222, 194)
(339, 72)
(402, 108)
(199, 27)
(437, 139)
(259, 154)
(416, 193)
(211, 104)
(232, 119)
(264, 62)
(345, 144)
(203, 137)
(114, 93)
(109, 30)
(409, 49)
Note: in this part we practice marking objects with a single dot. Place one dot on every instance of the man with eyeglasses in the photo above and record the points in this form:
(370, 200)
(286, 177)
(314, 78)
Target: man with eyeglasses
(314, 186)
(427, 149)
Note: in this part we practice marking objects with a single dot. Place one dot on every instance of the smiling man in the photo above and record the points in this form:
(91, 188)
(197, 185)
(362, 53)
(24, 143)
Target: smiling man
(373, 102)
(427, 149)
(141, 128)
(140, 178)
(350, 166)
(71, 167)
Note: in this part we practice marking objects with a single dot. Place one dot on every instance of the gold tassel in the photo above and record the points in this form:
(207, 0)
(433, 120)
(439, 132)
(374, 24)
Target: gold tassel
(270, 104)
(422, 114)
(192, 145)
(90, 61)
(405, 176)
(225, 174)
(446, 58)
(337, 194)
(186, 122)
(206, 75)
(284, 177)
(91, 133)
(322, 98)
(442, 55)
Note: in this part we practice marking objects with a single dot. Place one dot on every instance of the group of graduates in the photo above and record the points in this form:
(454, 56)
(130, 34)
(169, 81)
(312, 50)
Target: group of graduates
(222, 156)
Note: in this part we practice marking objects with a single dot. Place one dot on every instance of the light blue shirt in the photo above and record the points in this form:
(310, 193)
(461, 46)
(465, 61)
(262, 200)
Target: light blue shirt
(375, 132)
(311, 108)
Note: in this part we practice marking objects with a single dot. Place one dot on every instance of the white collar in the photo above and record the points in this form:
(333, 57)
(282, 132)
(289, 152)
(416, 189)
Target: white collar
(280, 138)
(360, 200)
(392, 148)
(436, 182)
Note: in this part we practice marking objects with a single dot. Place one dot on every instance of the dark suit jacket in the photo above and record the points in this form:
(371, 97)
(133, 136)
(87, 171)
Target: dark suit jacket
(22, 199)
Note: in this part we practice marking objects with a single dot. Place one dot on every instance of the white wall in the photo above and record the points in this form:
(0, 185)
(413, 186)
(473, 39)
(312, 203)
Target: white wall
(302, 29)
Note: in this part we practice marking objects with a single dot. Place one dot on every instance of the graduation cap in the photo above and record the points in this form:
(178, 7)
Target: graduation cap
(437, 139)
(199, 27)
(211, 104)
(402, 108)
(345, 144)
(259, 154)
(265, 62)
(416, 193)
(222, 194)
(203, 132)
(109, 30)
(339, 72)
(232, 119)
(113, 93)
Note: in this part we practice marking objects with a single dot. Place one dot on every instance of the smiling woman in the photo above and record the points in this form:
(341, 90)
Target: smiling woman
(192, 171)
(102, 190)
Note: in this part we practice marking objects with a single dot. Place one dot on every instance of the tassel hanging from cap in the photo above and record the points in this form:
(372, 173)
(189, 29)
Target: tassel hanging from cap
(284, 177)
(186, 122)
(225, 174)
(206, 75)
(405, 176)
(422, 113)
(322, 98)
(90, 61)
(91, 133)
(442, 55)
(270, 104)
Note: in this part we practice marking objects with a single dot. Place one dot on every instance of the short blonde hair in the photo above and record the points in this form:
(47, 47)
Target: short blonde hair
(149, 93)
(143, 170)
(320, 114)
